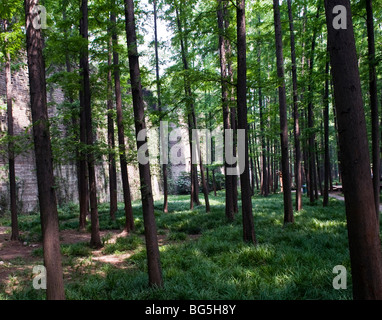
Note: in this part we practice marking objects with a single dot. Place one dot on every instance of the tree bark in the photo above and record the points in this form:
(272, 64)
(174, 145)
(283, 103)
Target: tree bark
(246, 199)
(111, 139)
(164, 166)
(44, 158)
(129, 219)
(288, 209)
(153, 257)
(373, 105)
(83, 191)
(190, 112)
(11, 153)
(363, 231)
(326, 138)
(296, 115)
(229, 210)
(95, 240)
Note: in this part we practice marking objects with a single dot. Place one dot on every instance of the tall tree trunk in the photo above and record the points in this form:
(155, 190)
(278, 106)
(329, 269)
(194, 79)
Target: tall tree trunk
(190, 111)
(363, 230)
(313, 193)
(229, 210)
(297, 147)
(83, 175)
(82, 179)
(11, 153)
(153, 257)
(265, 174)
(164, 166)
(111, 138)
(326, 138)
(95, 240)
(43, 152)
(246, 199)
(288, 209)
(373, 105)
(129, 219)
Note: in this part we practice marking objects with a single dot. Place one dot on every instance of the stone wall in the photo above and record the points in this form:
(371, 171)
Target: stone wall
(65, 174)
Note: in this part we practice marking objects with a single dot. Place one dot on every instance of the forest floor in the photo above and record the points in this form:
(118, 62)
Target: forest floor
(202, 255)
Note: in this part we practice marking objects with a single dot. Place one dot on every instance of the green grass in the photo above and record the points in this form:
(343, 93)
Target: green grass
(289, 262)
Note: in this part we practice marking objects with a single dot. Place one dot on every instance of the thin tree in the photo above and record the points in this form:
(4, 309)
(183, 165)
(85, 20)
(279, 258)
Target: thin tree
(363, 231)
(245, 182)
(153, 257)
(164, 165)
(11, 153)
(82, 178)
(313, 193)
(95, 240)
(288, 209)
(373, 105)
(129, 219)
(229, 205)
(111, 138)
(326, 138)
(43, 155)
(296, 114)
(191, 118)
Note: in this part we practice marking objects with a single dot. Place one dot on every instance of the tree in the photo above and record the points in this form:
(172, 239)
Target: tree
(95, 240)
(164, 165)
(363, 231)
(326, 137)
(11, 153)
(297, 148)
(43, 153)
(129, 225)
(111, 138)
(245, 183)
(221, 12)
(288, 210)
(373, 105)
(153, 257)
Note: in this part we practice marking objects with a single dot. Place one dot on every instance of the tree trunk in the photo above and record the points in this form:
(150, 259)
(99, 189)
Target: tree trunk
(153, 257)
(11, 153)
(43, 152)
(265, 174)
(313, 193)
(373, 105)
(190, 112)
(363, 231)
(297, 148)
(229, 210)
(129, 219)
(83, 191)
(326, 138)
(111, 139)
(246, 199)
(164, 166)
(288, 209)
(95, 240)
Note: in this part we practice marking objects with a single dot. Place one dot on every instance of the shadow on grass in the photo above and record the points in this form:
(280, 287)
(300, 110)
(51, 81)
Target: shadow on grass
(291, 262)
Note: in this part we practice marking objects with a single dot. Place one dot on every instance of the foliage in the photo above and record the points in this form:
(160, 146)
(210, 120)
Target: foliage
(290, 262)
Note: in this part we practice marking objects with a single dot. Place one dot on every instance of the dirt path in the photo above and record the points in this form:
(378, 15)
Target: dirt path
(17, 257)
(341, 198)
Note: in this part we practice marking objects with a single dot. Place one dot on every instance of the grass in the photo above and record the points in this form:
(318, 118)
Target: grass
(204, 257)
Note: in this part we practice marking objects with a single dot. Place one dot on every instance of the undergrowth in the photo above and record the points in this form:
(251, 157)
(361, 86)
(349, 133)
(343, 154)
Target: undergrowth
(203, 255)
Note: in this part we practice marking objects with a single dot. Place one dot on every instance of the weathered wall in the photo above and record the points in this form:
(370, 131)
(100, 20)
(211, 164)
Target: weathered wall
(66, 177)
(65, 174)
